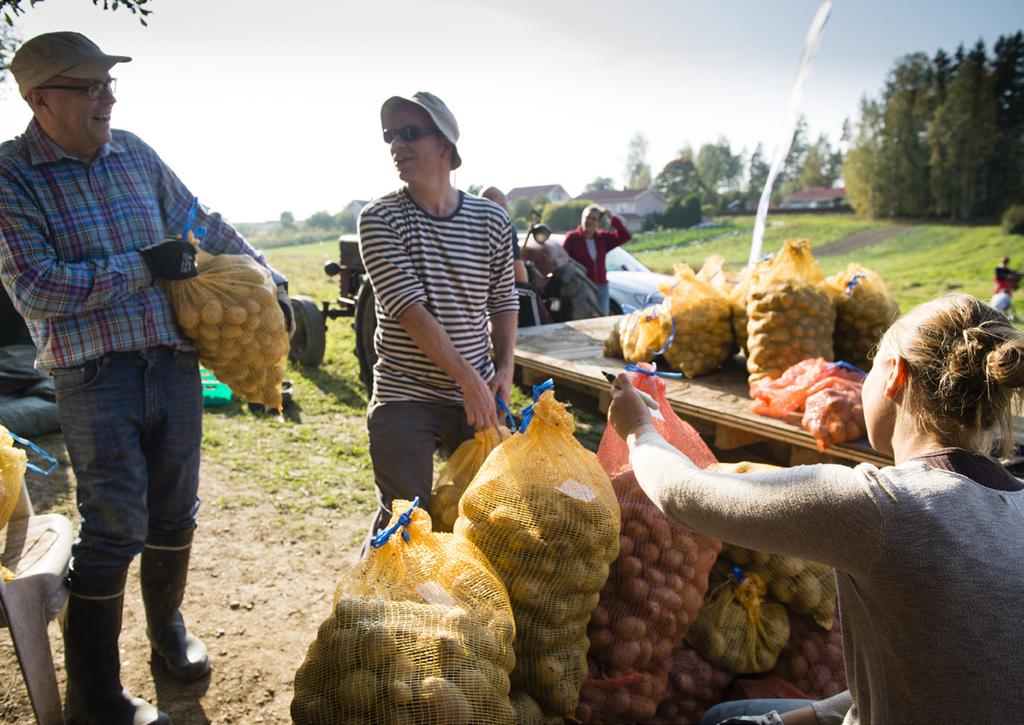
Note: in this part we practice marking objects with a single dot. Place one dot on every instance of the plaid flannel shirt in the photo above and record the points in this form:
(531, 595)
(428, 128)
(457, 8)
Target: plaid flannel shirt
(70, 233)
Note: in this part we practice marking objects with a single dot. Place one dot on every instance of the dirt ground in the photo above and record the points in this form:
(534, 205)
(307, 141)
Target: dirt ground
(257, 593)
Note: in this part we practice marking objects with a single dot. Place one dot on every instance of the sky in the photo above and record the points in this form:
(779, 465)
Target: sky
(263, 107)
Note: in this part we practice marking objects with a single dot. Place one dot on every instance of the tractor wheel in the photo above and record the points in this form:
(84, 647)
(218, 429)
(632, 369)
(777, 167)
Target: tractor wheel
(310, 338)
(365, 326)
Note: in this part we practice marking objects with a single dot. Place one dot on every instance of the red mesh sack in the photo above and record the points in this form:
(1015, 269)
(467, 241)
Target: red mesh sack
(766, 687)
(654, 589)
(786, 394)
(694, 685)
(613, 452)
(834, 412)
(630, 698)
(813, 658)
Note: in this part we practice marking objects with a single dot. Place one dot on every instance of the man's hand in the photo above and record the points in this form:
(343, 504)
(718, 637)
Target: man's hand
(627, 412)
(478, 401)
(286, 308)
(501, 384)
(171, 260)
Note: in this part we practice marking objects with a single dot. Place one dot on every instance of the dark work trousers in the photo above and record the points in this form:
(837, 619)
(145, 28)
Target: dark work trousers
(133, 422)
(403, 438)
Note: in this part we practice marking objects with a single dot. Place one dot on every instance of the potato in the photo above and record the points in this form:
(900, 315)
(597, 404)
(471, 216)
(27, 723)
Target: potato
(445, 701)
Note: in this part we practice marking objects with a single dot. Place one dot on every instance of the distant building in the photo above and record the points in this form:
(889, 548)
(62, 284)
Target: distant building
(818, 197)
(630, 205)
(553, 192)
(355, 206)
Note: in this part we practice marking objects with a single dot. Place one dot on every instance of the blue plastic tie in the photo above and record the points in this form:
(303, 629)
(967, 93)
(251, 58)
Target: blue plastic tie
(634, 368)
(508, 413)
(403, 522)
(848, 366)
(853, 283)
(29, 444)
(190, 219)
(527, 413)
(738, 573)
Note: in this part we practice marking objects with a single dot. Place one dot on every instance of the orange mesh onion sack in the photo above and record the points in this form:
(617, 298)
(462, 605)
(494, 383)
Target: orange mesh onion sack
(543, 511)
(458, 472)
(782, 396)
(834, 412)
(813, 658)
(701, 333)
(694, 685)
(864, 311)
(737, 628)
(230, 313)
(421, 632)
(613, 453)
(791, 313)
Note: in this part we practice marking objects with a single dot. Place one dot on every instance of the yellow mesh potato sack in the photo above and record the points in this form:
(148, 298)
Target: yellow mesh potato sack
(421, 633)
(458, 472)
(644, 332)
(544, 513)
(864, 311)
(701, 331)
(791, 313)
(737, 297)
(230, 313)
(806, 587)
(737, 628)
(13, 462)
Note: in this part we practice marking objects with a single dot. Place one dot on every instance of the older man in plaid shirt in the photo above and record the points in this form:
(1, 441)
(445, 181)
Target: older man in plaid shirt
(85, 217)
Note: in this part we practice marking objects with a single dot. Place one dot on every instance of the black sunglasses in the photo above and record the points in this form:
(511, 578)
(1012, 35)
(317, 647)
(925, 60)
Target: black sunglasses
(408, 133)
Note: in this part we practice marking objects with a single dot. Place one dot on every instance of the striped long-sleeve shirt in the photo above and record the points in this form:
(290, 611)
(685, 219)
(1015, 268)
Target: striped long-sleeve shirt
(70, 235)
(459, 267)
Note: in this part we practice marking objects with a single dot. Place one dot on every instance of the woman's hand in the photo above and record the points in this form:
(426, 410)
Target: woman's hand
(627, 412)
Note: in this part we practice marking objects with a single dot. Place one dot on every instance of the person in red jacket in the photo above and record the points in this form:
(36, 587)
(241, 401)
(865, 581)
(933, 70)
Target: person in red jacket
(588, 245)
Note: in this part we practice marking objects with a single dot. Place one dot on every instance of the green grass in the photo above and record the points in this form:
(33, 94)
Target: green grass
(917, 264)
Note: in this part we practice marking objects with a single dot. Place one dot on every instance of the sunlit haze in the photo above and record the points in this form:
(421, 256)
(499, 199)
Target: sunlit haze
(264, 107)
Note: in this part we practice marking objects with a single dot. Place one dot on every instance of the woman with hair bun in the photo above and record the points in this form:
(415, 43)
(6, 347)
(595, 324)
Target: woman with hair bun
(928, 553)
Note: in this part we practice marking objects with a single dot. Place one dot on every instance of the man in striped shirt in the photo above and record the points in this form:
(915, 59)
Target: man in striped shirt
(85, 214)
(441, 268)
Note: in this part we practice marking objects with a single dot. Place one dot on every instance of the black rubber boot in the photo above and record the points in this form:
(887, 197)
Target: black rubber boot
(92, 625)
(163, 575)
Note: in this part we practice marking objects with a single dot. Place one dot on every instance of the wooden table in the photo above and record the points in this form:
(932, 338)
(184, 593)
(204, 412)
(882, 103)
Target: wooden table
(571, 354)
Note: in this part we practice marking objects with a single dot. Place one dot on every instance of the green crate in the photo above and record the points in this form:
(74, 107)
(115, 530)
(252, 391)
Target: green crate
(215, 392)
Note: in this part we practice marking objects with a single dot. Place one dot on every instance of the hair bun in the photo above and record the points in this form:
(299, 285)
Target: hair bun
(1004, 365)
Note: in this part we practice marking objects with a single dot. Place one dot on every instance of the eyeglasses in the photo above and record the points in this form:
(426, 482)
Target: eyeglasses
(408, 133)
(94, 91)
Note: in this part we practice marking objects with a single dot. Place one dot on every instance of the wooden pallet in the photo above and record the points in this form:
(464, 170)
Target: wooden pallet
(571, 354)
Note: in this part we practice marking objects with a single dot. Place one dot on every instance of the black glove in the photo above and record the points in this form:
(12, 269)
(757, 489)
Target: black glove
(286, 307)
(171, 260)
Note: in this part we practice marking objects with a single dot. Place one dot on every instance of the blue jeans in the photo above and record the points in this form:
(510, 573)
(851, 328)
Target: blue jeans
(132, 423)
(740, 708)
(603, 300)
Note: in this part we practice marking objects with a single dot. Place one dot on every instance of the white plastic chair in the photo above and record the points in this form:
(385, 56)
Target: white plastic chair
(37, 549)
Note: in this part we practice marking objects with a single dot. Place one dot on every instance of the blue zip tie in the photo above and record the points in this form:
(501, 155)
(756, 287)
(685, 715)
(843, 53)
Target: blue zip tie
(527, 413)
(190, 218)
(403, 522)
(29, 444)
(848, 366)
(508, 413)
(738, 573)
(634, 368)
(853, 283)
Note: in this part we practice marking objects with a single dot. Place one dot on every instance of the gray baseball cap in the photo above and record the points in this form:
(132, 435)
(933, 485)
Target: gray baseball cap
(59, 54)
(438, 112)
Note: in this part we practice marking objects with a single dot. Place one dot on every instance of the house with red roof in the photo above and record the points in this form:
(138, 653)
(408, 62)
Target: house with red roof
(816, 197)
(553, 192)
(630, 205)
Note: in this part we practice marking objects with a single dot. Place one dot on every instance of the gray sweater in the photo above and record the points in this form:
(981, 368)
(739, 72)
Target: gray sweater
(929, 566)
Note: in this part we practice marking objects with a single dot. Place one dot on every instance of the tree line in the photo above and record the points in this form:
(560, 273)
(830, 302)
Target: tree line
(944, 138)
